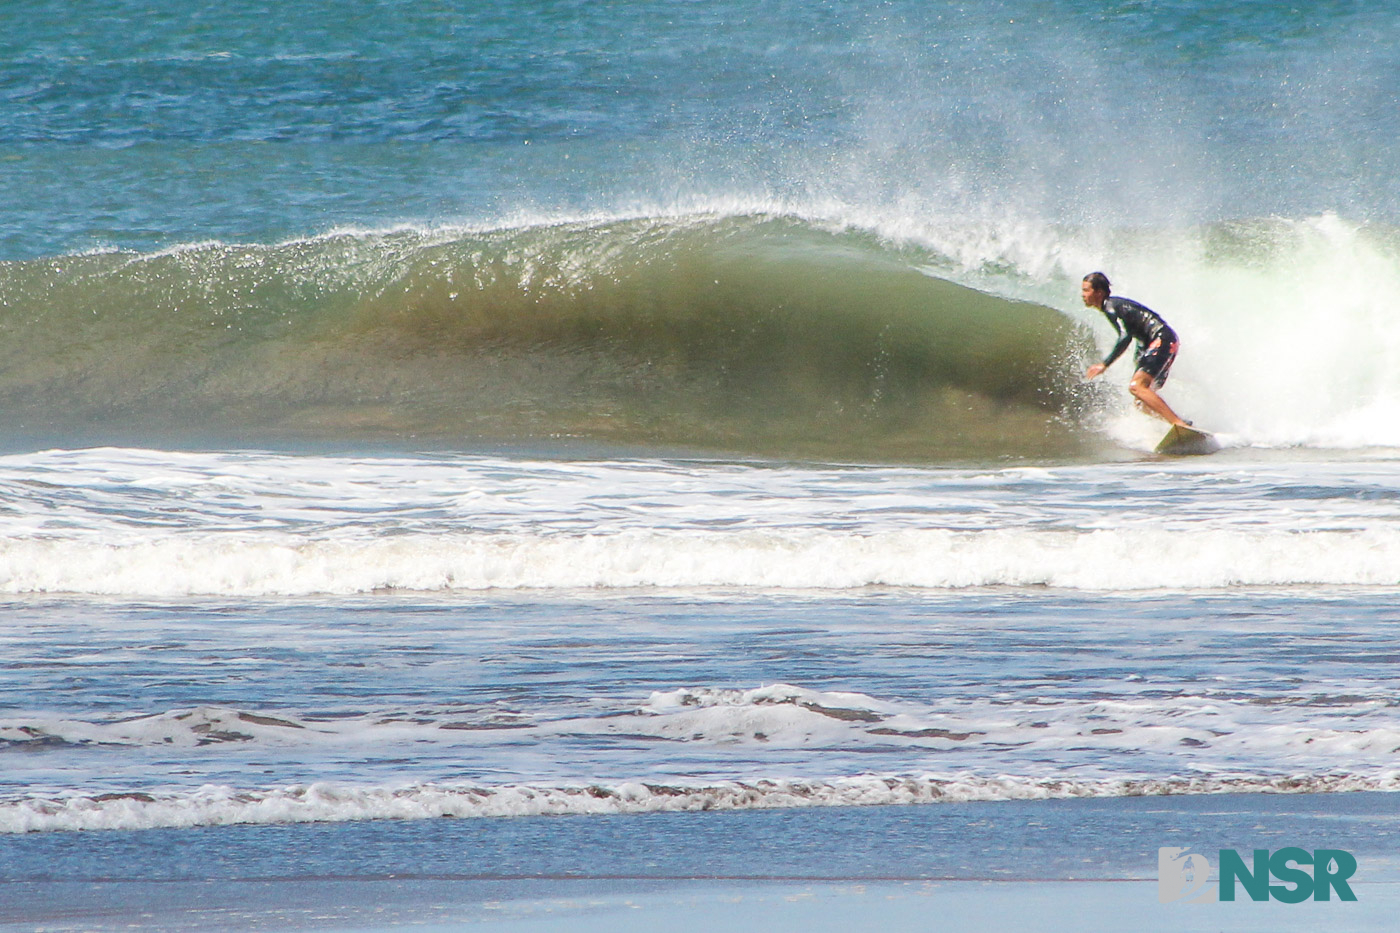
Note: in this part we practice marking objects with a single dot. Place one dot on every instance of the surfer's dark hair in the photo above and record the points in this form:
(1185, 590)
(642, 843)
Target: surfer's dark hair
(1098, 282)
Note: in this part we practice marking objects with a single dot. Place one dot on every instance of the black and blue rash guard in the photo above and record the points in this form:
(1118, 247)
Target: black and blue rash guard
(1137, 322)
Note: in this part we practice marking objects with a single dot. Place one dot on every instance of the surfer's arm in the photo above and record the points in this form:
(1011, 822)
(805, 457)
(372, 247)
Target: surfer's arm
(1123, 340)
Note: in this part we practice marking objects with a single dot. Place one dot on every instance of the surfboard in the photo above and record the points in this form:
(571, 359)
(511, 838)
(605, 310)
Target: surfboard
(1182, 441)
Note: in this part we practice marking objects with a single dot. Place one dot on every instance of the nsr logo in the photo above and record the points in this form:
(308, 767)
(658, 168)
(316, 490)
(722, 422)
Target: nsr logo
(1183, 875)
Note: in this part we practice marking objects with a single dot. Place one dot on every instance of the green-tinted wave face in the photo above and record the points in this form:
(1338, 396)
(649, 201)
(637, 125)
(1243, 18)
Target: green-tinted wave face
(740, 334)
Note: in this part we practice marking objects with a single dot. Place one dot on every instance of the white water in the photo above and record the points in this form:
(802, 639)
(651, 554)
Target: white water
(136, 523)
(970, 748)
(1286, 325)
(215, 805)
(1116, 559)
(1136, 676)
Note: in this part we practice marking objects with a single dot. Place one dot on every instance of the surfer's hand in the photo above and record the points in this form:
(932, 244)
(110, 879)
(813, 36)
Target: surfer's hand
(1095, 370)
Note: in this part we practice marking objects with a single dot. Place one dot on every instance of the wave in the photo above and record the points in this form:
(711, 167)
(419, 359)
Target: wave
(802, 558)
(756, 326)
(745, 332)
(220, 805)
(1284, 321)
(1215, 730)
(1039, 747)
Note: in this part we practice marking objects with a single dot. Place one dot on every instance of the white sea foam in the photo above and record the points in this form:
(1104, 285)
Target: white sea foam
(794, 559)
(217, 805)
(118, 522)
(705, 747)
(1284, 323)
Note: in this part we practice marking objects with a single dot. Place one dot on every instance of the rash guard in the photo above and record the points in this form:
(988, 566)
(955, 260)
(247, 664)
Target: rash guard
(1133, 321)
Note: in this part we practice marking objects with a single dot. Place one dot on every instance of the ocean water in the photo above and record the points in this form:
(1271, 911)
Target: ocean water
(487, 410)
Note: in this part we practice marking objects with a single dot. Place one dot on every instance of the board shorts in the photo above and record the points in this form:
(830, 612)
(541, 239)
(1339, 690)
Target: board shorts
(1156, 359)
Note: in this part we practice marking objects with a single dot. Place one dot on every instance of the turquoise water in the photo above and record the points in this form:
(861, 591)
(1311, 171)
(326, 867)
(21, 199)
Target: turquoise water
(142, 125)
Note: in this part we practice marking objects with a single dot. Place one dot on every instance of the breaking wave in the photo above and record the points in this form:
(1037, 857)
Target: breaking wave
(749, 332)
(216, 805)
(1215, 741)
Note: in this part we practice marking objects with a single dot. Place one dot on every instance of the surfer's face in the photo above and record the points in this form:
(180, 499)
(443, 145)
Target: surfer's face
(1093, 298)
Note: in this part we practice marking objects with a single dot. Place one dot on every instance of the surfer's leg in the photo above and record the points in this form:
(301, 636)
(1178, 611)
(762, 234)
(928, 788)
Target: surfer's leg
(1147, 398)
(1153, 367)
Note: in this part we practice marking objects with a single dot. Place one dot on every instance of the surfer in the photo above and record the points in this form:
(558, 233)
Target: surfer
(1156, 345)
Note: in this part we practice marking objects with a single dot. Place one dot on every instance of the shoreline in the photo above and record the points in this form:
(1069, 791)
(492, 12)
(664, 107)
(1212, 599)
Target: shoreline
(1047, 865)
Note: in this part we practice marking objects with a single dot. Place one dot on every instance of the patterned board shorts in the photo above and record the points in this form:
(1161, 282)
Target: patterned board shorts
(1156, 359)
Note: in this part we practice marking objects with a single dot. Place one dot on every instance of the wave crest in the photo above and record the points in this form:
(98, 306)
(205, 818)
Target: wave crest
(780, 559)
(216, 805)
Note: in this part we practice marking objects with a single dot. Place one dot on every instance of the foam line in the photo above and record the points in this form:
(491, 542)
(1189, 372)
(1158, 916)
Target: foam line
(1108, 559)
